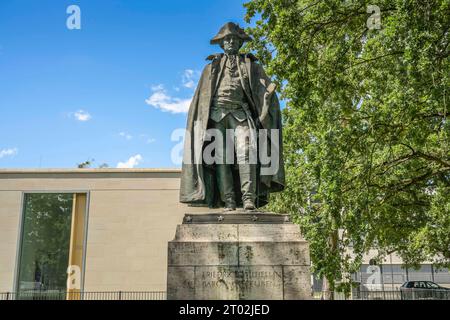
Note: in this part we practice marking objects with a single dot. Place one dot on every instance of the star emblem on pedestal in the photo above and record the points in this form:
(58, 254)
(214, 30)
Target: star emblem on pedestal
(220, 218)
(188, 219)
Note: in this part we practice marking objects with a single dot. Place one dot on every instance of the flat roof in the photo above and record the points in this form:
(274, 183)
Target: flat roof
(89, 170)
(91, 173)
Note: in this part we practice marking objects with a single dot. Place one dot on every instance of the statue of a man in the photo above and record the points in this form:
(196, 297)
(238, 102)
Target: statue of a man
(234, 94)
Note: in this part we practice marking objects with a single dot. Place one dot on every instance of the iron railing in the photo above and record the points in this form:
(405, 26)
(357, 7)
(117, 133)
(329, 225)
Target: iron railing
(404, 294)
(104, 295)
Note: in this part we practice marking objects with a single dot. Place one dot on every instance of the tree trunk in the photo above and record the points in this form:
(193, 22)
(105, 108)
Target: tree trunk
(327, 285)
(327, 290)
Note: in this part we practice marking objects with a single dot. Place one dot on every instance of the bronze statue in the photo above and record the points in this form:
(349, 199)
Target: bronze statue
(233, 93)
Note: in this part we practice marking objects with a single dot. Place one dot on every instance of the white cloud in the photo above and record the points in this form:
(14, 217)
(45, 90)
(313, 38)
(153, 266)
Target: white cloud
(188, 78)
(82, 115)
(131, 162)
(8, 152)
(161, 100)
(158, 87)
(147, 139)
(126, 135)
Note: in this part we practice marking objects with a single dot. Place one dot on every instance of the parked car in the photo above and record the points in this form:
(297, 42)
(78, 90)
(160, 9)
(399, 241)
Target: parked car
(420, 290)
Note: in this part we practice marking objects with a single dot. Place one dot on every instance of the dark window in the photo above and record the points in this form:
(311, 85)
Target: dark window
(432, 285)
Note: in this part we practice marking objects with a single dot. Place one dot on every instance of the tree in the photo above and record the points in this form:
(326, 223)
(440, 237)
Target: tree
(366, 132)
(86, 164)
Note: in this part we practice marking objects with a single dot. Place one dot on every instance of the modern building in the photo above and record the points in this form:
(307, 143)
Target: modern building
(109, 229)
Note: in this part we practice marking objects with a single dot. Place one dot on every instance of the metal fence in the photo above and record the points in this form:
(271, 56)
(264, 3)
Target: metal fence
(106, 295)
(408, 294)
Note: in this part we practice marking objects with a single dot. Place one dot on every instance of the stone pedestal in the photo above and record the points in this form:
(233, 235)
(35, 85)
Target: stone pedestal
(238, 256)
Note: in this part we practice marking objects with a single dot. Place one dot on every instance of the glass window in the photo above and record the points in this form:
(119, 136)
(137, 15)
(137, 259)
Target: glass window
(371, 277)
(442, 276)
(422, 274)
(432, 285)
(386, 271)
(398, 274)
(317, 283)
(47, 239)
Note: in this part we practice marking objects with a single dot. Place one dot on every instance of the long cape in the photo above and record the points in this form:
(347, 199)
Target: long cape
(198, 182)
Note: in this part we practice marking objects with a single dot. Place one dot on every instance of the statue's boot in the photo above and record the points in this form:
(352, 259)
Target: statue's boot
(230, 206)
(225, 184)
(249, 205)
(247, 174)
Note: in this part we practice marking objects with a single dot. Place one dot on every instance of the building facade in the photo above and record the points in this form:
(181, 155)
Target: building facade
(110, 226)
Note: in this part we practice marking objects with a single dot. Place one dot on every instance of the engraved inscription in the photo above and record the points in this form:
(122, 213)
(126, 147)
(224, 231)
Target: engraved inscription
(240, 279)
(257, 282)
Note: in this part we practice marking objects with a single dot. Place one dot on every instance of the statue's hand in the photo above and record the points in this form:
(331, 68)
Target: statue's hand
(267, 98)
(270, 90)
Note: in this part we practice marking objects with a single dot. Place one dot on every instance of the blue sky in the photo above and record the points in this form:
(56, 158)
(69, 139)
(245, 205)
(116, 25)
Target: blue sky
(113, 91)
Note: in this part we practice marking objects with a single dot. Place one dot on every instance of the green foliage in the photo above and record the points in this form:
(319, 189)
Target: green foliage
(366, 132)
(86, 164)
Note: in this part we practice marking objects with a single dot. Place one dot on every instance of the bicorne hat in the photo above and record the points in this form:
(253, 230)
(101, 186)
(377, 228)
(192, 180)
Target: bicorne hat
(228, 29)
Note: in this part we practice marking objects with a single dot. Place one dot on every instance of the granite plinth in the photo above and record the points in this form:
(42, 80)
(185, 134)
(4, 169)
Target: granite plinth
(238, 256)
